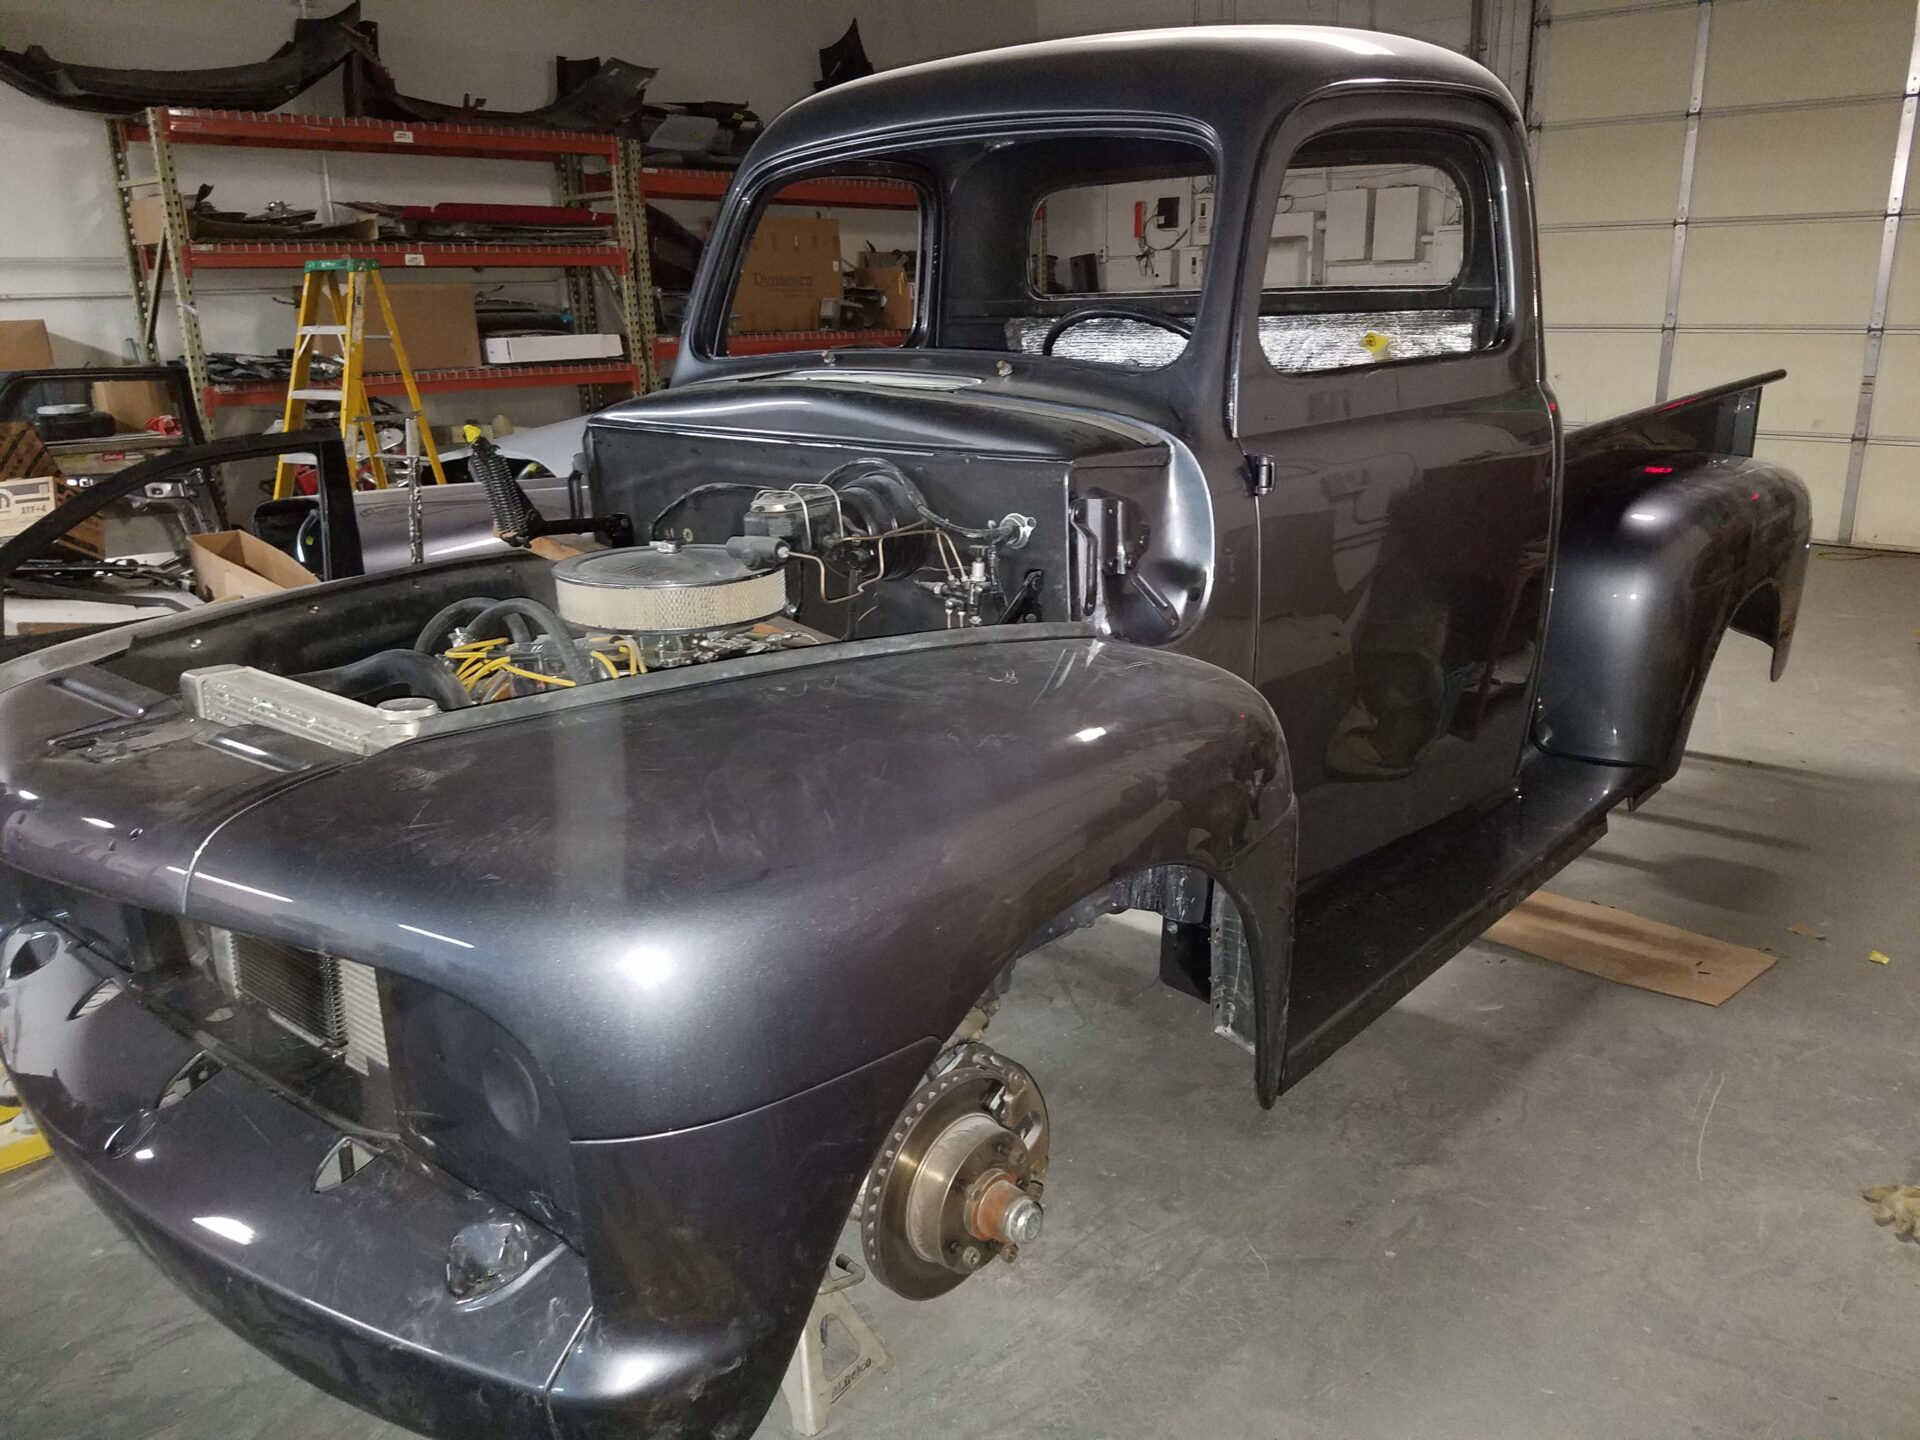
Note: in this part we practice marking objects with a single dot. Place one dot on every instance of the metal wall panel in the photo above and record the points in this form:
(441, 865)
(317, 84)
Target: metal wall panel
(1768, 51)
(1817, 273)
(1632, 64)
(1822, 464)
(1599, 373)
(1826, 161)
(1610, 277)
(1903, 299)
(1896, 402)
(1889, 511)
(1610, 173)
(1822, 386)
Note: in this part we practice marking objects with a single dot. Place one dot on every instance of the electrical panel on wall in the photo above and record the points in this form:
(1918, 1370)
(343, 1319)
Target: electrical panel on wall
(1396, 222)
(1348, 215)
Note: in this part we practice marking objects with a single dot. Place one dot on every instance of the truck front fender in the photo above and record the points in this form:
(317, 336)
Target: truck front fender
(732, 913)
(1647, 582)
(702, 891)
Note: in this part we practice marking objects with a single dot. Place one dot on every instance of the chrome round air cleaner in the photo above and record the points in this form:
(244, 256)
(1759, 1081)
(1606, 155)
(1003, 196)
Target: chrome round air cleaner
(665, 588)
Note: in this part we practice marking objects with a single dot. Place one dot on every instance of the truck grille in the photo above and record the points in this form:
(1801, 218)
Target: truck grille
(328, 1002)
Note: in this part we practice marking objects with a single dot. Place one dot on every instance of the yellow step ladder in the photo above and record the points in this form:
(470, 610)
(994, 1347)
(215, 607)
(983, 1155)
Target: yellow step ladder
(21, 1142)
(348, 307)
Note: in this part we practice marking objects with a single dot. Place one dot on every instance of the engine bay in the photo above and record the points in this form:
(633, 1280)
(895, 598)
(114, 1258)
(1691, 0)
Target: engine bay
(803, 566)
(717, 570)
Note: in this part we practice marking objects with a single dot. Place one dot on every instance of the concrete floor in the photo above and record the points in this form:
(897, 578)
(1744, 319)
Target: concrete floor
(1525, 1203)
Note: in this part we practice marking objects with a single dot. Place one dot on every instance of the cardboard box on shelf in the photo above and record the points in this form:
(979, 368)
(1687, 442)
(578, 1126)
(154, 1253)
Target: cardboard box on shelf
(28, 499)
(24, 346)
(132, 403)
(149, 219)
(536, 349)
(22, 452)
(436, 324)
(886, 271)
(233, 565)
(792, 267)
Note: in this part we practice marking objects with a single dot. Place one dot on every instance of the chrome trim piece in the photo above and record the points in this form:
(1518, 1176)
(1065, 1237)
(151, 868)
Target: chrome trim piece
(242, 695)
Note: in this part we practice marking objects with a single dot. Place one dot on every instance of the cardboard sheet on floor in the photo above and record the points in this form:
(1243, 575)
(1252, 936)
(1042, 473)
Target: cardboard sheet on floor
(1619, 945)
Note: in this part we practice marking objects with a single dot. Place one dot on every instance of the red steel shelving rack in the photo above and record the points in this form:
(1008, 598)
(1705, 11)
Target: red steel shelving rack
(625, 258)
(627, 183)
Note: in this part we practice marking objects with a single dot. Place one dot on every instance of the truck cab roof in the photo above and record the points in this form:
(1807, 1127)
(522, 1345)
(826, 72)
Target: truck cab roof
(1234, 80)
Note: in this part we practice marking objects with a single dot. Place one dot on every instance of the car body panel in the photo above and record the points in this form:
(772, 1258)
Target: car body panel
(691, 949)
(319, 45)
(1648, 583)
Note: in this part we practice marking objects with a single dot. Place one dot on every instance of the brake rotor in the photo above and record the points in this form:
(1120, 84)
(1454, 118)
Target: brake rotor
(958, 1181)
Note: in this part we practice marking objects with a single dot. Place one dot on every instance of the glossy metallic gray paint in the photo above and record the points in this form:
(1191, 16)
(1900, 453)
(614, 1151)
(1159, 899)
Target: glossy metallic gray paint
(346, 1287)
(731, 912)
(1647, 586)
(724, 988)
(692, 949)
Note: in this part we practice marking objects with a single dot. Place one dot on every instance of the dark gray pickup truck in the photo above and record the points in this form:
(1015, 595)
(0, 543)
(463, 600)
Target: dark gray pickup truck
(490, 987)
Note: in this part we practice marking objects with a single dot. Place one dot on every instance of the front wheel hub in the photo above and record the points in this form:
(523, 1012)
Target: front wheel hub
(958, 1182)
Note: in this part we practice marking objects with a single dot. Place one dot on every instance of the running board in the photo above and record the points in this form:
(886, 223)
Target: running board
(1377, 928)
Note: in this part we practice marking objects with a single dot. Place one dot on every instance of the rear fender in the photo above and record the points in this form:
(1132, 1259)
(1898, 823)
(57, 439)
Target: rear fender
(1648, 580)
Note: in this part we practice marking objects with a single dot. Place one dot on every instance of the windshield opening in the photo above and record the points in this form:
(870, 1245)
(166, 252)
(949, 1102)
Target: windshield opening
(1083, 246)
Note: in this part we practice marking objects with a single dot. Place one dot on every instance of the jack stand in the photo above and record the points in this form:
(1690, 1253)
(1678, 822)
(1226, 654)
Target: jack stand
(811, 1392)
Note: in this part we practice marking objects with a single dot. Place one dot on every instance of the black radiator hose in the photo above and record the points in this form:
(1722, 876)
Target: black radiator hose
(384, 669)
(434, 633)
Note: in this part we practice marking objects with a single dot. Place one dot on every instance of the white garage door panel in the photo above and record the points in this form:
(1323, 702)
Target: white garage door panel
(1597, 374)
(1796, 162)
(1818, 273)
(1896, 390)
(1638, 64)
(1610, 172)
(1903, 300)
(1889, 512)
(1767, 50)
(1822, 388)
(1822, 464)
(1604, 277)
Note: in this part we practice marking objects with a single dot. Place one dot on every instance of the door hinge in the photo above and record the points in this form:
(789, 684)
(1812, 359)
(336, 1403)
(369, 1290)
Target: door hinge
(1259, 469)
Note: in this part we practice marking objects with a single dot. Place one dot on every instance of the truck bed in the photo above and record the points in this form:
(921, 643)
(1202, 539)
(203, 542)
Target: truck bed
(1609, 458)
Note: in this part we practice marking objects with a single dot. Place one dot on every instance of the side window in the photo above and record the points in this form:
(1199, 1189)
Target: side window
(1380, 249)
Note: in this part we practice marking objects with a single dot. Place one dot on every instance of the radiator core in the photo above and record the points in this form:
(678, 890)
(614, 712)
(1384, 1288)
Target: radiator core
(328, 1002)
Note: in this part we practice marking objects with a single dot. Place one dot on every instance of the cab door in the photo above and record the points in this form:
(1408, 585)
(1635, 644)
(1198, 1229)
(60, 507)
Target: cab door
(1390, 402)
